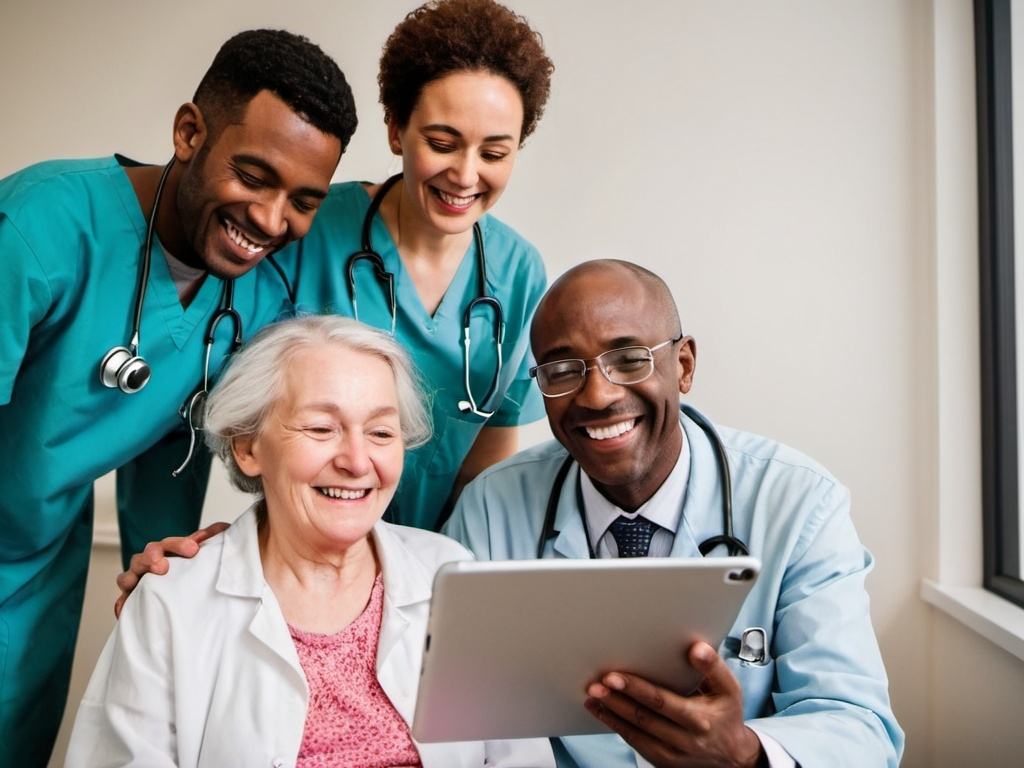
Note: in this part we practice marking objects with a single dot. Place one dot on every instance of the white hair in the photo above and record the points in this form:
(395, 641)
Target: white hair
(254, 380)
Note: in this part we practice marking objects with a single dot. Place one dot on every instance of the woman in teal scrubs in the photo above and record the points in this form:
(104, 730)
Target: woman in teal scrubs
(463, 84)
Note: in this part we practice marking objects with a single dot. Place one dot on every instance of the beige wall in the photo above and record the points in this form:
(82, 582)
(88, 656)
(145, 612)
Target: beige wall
(800, 171)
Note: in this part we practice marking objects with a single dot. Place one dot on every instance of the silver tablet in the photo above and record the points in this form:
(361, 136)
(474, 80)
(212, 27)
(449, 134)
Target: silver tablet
(512, 645)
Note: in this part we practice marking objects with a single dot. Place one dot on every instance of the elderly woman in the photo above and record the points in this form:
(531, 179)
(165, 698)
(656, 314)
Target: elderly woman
(294, 638)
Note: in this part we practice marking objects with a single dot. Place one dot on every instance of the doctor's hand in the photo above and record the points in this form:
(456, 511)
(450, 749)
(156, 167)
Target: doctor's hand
(670, 730)
(153, 559)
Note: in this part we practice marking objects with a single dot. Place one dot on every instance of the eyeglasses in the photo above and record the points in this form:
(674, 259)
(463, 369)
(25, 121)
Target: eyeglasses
(623, 366)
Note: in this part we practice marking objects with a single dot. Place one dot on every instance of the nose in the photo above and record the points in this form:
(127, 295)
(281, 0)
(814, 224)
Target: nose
(270, 215)
(352, 456)
(464, 171)
(597, 393)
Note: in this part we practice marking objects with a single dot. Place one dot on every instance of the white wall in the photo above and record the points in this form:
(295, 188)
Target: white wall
(800, 171)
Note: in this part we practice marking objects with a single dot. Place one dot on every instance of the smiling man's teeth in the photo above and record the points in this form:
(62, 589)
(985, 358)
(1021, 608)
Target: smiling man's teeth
(241, 240)
(613, 430)
(342, 493)
(453, 200)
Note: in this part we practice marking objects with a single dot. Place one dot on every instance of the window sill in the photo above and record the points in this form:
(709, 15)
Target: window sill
(989, 615)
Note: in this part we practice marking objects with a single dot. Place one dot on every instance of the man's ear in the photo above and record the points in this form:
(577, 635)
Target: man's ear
(245, 458)
(687, 363)
(190, 131)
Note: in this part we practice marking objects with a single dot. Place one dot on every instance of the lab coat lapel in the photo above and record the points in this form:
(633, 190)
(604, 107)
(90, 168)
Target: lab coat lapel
(702, 505)
(241, 575)
(571, 541)
(407, 588)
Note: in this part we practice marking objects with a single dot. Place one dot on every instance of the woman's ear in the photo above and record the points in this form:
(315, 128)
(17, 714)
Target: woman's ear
(190, 131)
(394, 138)
(243, 449)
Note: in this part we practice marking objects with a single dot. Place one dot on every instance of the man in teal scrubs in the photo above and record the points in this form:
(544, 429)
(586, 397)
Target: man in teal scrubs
(253, 157)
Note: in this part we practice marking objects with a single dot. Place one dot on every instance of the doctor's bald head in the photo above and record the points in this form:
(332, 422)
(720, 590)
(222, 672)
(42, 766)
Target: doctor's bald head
(612, 362)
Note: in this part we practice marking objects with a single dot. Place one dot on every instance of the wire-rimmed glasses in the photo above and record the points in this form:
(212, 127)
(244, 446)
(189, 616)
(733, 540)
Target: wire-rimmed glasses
(622, 366)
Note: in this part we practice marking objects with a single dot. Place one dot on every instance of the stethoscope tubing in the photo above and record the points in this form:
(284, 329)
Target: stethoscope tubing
(483, 298)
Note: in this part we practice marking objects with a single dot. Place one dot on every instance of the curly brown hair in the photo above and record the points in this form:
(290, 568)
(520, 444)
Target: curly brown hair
(446, 36)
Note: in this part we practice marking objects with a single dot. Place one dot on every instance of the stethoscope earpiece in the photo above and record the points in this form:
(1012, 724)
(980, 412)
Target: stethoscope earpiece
(122, 369)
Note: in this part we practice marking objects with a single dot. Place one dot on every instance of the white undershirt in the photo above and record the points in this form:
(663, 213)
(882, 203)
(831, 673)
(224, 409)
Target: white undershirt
(665, 508)
(185, 277)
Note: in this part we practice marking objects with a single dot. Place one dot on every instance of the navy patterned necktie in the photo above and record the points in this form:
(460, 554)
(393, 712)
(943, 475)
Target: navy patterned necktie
(632, 537)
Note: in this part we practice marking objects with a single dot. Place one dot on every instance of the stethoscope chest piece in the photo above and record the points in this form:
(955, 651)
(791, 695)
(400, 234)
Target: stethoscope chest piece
(123, 369)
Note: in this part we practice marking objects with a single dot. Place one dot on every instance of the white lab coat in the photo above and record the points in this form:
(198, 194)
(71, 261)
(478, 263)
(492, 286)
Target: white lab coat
(201, 669)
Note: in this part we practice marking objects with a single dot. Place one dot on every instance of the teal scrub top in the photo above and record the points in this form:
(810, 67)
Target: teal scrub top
(515, 276)
(71, 235)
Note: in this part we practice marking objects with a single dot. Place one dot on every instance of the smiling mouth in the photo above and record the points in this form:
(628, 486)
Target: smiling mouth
(241, 240)
(454, 200)
(610, 431)
(343, 493)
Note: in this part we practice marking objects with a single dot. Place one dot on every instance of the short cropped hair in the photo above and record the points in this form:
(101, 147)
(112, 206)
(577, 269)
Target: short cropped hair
(443, 37)
(254, 381)
(291, 67)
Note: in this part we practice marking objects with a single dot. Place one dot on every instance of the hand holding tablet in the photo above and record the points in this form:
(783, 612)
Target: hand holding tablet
(512, 646)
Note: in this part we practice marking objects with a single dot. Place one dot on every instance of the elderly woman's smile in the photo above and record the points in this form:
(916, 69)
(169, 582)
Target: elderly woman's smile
(343, 493)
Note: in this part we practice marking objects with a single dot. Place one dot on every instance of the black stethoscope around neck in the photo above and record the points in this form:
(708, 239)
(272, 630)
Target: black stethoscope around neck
(483, 299)
(726, 537)
(125, 369)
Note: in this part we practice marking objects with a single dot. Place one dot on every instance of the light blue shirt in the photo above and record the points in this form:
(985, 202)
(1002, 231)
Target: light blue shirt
(822, 693)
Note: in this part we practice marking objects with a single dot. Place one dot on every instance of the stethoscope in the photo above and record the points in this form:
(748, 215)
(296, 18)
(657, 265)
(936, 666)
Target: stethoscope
(483, 299)
(733, 544)
(125, 369)
(193, 411)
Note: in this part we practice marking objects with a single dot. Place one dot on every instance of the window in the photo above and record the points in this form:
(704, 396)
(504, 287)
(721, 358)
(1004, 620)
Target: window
(1000, 428)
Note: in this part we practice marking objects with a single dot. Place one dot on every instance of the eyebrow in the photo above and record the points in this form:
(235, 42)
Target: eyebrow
(259, 162)
(441, 127)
